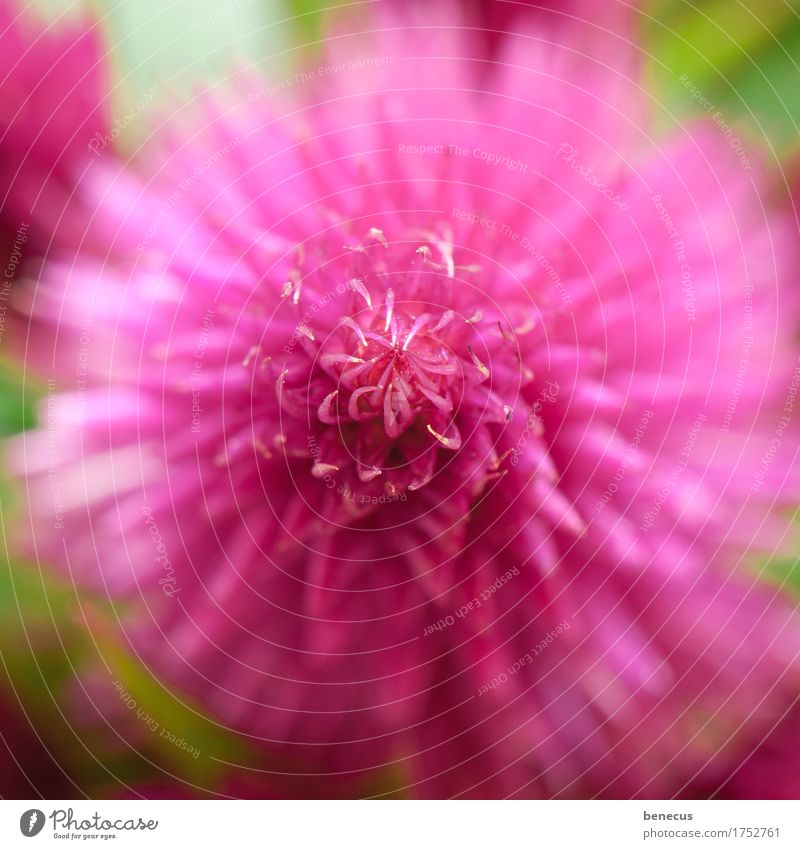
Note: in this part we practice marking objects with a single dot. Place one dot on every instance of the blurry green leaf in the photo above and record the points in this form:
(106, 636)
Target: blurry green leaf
(783, 572)
(171, 717)
(17, 409)
(743, 58)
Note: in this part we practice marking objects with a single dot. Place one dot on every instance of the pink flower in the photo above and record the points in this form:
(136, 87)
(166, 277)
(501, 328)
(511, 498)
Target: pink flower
(422, 409)
(51, 107)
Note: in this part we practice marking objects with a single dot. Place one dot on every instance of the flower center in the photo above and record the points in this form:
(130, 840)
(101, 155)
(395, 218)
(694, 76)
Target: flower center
(398, 361)
(397, 366)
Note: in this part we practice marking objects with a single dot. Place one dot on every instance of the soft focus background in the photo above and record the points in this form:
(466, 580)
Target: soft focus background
(742, 55)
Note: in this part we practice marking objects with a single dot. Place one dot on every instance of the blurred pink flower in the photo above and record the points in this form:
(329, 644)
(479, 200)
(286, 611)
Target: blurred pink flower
(52, 91)
(423, 410)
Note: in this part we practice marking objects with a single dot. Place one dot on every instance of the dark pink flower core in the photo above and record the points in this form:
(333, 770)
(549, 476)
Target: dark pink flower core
(396, 358)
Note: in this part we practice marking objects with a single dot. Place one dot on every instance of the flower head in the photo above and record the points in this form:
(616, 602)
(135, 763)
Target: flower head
(409, 404)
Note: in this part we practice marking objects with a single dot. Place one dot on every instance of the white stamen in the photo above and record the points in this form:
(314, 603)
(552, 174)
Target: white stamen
(448, 442)
(389, 309)
(304, 330)
(375, 233)
(477, 363)
(254, 350)
(358, 286)
(319, 470)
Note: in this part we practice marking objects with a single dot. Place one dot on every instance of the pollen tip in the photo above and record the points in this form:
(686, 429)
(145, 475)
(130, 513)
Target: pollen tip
(477, 363)
(377, 234)
(319, 470)
(254, 350)
(389, 309)
(358, 286)
(452, 444)
(262, 449)
(325, 409)
(305, 330)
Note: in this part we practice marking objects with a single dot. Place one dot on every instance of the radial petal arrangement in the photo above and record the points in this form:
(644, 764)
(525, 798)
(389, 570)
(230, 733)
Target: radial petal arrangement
(424, 417)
